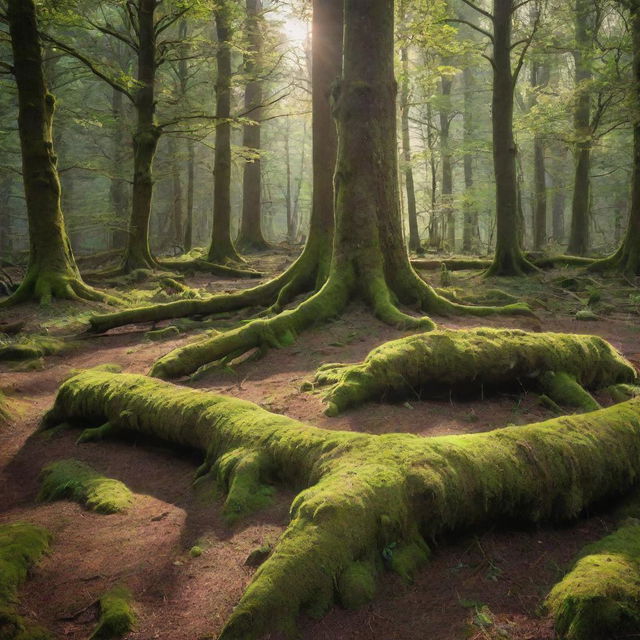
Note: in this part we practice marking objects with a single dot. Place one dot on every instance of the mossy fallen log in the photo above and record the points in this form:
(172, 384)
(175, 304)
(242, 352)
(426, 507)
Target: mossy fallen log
(117, 614)
(78, 481)
(600, 597)
(478, 359)
(21, 546)
(366, 500)
(30, 348)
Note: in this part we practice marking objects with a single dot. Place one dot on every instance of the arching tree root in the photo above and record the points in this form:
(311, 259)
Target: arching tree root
(367, 499)
(600, 597)
(307, 272)
(560, 364)
(329, 302)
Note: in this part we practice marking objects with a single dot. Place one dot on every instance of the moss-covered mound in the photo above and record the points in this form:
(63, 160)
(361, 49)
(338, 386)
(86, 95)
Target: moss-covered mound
(117, 615)
(30, 348)
(365, 498)
(78, 481)
(476, 359)
(21, 546)
(600, 597)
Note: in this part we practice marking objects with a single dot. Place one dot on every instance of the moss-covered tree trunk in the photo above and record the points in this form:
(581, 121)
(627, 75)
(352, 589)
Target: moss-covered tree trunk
(52, 271)
(145, 142)
(222, 250)
(627, 259)
(369, 259)
(580, 207)
(509, 259)
(414, 234)
(251, 236)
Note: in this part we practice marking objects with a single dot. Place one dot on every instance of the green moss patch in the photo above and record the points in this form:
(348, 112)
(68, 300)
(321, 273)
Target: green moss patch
(30, 348)
(600, 597)
(78, 481)
(475, 359)
(117, 614)
(21, 546)
(362, 497)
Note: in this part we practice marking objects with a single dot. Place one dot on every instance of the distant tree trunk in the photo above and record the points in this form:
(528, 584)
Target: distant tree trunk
(447, 168)
(177, 212)
(118, 187)
(251, 237)
(580, 207)
(52, 271)
(222, 249)
(145, 142)
(434, 237)
(470, 239)
(539, 78)
(188, 223)
(183, 80)
(509, 259)
(627, 259)
(296, 196)
(414, 234)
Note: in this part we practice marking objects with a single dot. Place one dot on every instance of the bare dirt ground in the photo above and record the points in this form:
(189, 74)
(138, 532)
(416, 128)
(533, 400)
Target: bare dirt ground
(480, 584)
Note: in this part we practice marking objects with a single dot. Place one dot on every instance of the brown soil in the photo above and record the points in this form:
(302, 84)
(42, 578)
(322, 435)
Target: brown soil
(502, 572)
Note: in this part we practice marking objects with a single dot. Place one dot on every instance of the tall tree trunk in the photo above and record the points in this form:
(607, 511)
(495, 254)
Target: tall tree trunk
(288, 193)
(251, 237)
(118, 187)
(222, 249)
(470, 238)
(145, 142)
(414, 234)
(447, 168)
(627, 259)
(580, 207)
(509, 259)
(539, 78)
(52, 271)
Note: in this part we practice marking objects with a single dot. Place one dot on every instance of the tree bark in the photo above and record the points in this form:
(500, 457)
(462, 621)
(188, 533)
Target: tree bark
(52, 271)
(509, 259)
(222, 250)
(251, 237)
(177, 210)
(580, 207)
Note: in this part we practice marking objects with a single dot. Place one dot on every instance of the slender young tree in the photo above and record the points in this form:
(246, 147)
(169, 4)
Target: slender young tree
(222, 249)
(446, 193)
(251, 237)
(580, 206)
(539, 79)
(509, 259)
(52, 271)
(470, 239)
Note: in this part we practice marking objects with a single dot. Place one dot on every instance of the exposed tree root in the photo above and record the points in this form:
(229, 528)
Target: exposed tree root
(329, 302)
(307, 272)
(626, 261)
(117, 614)
(43, 287)
(600, 597)
(561, 364)
(461, 264)
(364, 494)
(198, 264)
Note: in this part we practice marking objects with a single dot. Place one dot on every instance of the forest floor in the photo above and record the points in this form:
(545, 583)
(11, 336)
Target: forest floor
(480, 584)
